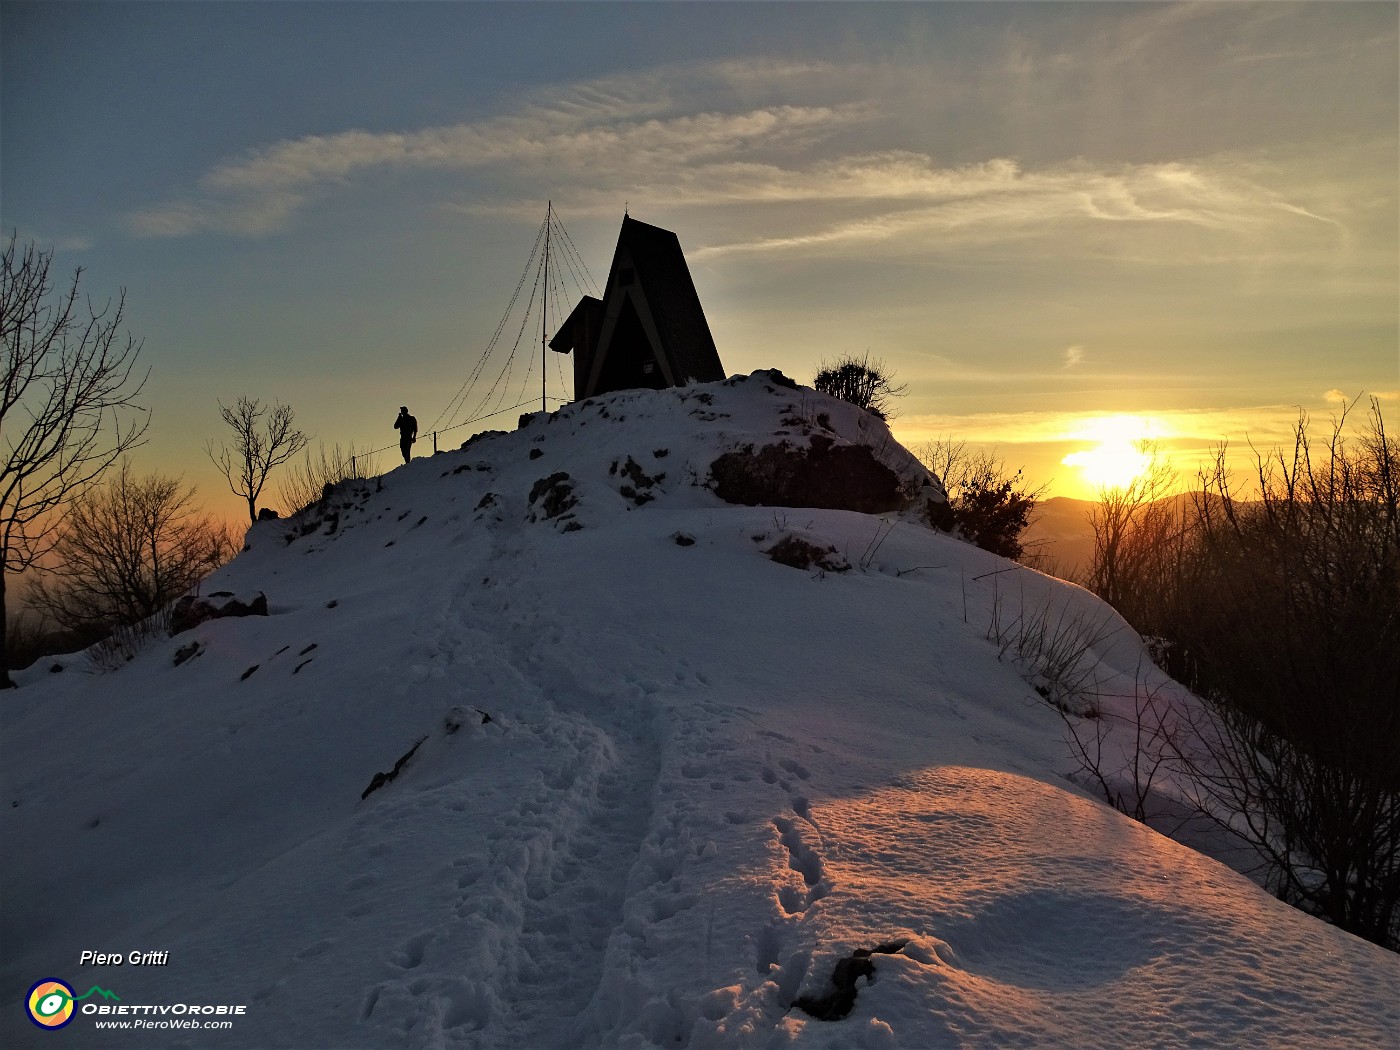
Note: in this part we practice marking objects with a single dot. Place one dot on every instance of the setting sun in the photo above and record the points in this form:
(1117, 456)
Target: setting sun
(1121, 453)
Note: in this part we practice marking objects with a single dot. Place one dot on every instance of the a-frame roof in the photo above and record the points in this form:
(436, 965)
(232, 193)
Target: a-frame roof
(665, 281)
(649, 277)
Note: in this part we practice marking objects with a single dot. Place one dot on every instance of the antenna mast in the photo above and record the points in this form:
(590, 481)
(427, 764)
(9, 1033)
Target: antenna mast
(544, 311)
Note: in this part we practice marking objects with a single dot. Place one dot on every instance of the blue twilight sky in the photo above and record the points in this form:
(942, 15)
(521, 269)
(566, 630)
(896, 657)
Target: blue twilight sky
(1064, 226)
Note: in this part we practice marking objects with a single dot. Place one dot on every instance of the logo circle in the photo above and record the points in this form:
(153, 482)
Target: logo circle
(50, 1003)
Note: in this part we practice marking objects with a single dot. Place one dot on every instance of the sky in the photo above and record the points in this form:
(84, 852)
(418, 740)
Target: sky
(1064, 227)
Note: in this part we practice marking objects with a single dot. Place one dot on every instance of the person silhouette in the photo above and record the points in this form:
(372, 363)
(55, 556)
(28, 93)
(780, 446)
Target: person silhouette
(407, 427)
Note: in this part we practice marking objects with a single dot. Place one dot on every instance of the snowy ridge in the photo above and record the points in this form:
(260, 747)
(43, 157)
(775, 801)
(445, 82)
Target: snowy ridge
(663, 785)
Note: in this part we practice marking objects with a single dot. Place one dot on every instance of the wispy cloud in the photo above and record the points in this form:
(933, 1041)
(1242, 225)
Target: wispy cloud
(1340, 398)
(259, 192)
(717, 135)
(64, 242)
(1074, 356)
(590, 134)
(1000, 201)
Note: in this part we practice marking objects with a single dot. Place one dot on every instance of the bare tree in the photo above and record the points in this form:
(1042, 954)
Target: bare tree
(263, 439)
(67, 409)
(1294, 638)
(125, 550)
(1129, 524)
(1280, 608)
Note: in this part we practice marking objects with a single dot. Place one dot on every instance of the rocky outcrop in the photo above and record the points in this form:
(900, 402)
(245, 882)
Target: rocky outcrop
(824, 475)
(798, 553)
(192, 610)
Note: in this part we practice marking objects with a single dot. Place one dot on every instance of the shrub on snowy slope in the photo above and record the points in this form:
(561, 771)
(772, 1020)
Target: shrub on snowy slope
(860, 381)
(987, 504)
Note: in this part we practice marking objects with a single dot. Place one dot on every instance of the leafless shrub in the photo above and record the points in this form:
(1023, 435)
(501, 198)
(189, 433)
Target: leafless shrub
(1125, 775)
(986, 503)
(306, 483)
(25, 638)
(121, 646)
(1327, 837)
(883, 528)
(1137, 533)
(861, 382)
(1054, 646)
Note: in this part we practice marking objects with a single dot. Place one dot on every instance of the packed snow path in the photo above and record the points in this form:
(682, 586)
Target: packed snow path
(660, 786)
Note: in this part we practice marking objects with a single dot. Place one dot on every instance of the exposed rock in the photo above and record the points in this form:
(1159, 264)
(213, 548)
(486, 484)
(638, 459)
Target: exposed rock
(639, 483)
(192, 610)
(456, 718)
(939, 515)
(800, 554)
(777, 378)
(380, 779)
(268, 514)
(552, 496)
(185, 652)
(483, 436)
(826, 476)
(838, 1004)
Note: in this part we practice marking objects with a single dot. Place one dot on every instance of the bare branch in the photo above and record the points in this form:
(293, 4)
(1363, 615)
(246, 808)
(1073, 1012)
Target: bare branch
(68, 406)
(263, 439)
(1280, 608)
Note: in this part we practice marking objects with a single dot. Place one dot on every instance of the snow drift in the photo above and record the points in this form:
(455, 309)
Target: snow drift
(539, 746)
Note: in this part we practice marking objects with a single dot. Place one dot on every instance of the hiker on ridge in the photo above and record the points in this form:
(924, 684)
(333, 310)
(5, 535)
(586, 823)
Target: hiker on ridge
(407, 427)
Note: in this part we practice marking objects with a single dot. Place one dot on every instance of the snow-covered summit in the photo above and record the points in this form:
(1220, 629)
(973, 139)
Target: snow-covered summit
(543, 743)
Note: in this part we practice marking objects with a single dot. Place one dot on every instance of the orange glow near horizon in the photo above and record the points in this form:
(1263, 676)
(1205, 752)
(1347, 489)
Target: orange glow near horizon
(1121, 453)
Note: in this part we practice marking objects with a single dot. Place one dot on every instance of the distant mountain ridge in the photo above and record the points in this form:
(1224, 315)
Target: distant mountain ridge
(1059, 536)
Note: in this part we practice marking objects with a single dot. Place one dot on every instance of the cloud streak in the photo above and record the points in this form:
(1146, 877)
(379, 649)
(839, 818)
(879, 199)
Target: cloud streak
(641, 138)
(586, 135)
(999, 201)
(259, 192)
